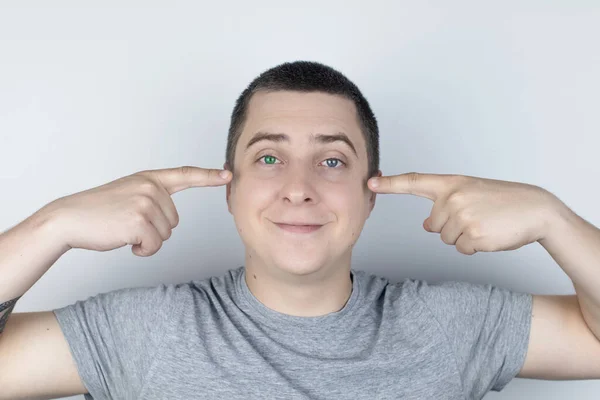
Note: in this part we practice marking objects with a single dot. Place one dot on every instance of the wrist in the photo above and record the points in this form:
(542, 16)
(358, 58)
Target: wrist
(46, 225)
(560, 219)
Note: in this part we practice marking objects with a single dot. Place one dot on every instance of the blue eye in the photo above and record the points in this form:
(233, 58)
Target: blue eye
(334, 162)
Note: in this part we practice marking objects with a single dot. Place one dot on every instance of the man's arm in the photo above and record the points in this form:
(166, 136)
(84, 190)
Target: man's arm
(565, 331)
(561, 345)
(575, 246)
(35, 360)
(5, 310)
(27, 251)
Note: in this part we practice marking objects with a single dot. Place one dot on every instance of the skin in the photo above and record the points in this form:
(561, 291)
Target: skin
(308, 274)
(301, 274)
(477, 214)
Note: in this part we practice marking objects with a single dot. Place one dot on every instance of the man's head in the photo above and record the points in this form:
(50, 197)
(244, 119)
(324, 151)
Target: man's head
(302, 144)
(306, 77)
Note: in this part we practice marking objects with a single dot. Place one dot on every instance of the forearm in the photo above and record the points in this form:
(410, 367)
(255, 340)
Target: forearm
(575, 246)
(27, 251)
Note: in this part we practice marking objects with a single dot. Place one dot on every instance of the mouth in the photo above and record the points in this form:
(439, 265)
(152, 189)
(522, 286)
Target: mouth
(298, 228)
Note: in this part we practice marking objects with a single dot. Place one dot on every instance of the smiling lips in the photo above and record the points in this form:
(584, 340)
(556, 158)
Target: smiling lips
(298, 228)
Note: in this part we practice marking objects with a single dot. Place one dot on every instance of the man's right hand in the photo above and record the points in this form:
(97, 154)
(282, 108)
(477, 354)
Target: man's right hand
(135, 210)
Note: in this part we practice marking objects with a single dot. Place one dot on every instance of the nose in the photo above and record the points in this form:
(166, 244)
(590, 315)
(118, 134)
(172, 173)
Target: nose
(298, 188)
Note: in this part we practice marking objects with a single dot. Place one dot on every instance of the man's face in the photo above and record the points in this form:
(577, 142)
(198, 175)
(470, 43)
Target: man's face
(299, 196)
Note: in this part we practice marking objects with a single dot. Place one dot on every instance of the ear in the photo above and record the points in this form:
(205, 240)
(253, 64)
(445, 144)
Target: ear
(228, 189)
(373, 196)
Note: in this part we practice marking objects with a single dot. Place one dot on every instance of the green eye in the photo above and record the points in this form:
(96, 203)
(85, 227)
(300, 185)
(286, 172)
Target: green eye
(269, 159)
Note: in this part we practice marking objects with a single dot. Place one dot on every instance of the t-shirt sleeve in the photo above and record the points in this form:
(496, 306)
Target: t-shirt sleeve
(487, 328)
(114, 337)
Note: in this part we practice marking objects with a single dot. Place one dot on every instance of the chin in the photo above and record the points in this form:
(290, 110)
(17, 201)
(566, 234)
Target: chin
(298, 264)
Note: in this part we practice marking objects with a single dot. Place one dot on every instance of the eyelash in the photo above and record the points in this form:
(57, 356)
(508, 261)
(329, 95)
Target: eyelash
(330, 158)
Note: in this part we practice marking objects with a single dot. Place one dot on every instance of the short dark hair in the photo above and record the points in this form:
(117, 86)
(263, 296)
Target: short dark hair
(306, 76)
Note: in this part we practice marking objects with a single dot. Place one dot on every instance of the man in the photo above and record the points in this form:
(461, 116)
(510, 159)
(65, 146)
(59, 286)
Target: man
(296, 321)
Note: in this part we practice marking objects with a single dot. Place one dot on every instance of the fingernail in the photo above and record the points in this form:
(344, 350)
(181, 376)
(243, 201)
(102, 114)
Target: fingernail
(224, 174)
(374, 182)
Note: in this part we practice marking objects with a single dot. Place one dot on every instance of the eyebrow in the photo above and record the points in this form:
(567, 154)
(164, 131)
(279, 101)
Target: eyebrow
(319, 138)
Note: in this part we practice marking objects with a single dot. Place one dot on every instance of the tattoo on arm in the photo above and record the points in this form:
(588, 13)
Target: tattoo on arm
(5, 310)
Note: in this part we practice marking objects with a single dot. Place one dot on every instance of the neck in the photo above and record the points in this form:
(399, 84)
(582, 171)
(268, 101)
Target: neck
(321, 292)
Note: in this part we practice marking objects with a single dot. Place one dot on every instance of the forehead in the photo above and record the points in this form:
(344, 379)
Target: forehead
(300, 114)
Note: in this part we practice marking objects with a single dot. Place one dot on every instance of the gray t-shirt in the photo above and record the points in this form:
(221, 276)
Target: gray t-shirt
(212, 339)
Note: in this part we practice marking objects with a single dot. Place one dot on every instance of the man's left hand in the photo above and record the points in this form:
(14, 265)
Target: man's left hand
(477, 214)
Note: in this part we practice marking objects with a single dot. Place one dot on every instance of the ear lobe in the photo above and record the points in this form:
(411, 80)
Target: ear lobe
(372, 202)
(228, 197)
(373, 198)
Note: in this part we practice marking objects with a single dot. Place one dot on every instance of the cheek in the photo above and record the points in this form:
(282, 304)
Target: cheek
(348, 201)
(250, 195)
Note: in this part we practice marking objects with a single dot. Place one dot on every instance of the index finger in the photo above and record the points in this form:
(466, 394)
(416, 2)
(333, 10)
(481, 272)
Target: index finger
(185, 177)
(431, 186)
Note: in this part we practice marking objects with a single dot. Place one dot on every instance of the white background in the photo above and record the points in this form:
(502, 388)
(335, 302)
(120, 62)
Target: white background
(505, 91)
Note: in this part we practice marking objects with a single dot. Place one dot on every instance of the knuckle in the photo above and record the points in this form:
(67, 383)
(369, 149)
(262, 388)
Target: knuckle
(459, 180)
(456, 198)
(210, 175)
(463, 215)
(185, 170)
(148, 187)
(144, 203)
(412, 177)
(473, 231)
(138, 219)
